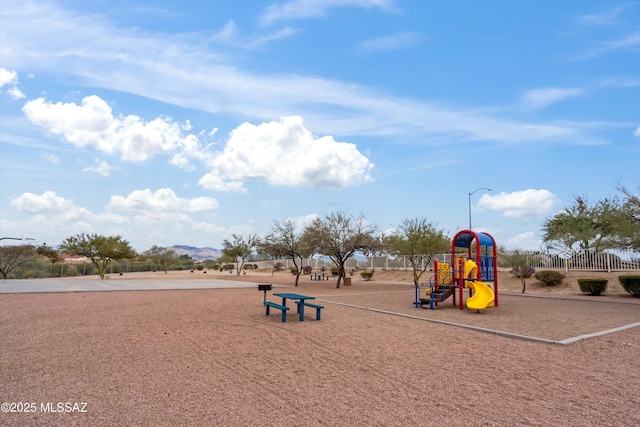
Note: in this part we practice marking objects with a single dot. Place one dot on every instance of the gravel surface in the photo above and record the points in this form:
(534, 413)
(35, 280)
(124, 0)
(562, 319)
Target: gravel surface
(211, 357)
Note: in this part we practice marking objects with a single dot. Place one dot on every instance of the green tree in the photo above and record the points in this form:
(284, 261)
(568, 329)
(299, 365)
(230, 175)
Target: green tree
(340, 235)
(162, 256)
(419, 240)
(101, 250)
(49, 253)
(240, 249)
(12, 257)
(583, 227)
(285, 241)
(628, 223)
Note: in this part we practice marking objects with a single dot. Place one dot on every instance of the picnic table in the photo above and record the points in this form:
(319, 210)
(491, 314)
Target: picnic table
(319, 276)
(301, 300)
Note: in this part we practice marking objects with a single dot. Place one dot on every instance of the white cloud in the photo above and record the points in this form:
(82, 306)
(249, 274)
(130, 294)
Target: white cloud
(208, 227)
(10, 78)
(539, 98)
(93, 124)
(16, 93)
(47, 202)
(52, 213)
(162, 200)
(301, 9)
(212, 181)
(102, 167)
(637, 132)
(391, 42)
(523, 241)
(302, 222)
(520, 204)
(285, 153)
(51, 158)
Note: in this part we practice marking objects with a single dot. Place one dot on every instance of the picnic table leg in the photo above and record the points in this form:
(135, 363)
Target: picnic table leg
(301, 310)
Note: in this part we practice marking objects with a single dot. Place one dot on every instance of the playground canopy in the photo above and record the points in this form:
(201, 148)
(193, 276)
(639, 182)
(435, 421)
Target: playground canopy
(464, 239)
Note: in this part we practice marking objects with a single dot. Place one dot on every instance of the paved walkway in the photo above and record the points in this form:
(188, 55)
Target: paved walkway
(93, 285)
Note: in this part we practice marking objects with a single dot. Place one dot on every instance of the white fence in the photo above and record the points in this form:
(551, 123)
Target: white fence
(587, 261)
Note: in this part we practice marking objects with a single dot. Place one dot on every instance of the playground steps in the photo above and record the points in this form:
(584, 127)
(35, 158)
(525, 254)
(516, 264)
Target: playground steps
(440, 294)
(443, 293)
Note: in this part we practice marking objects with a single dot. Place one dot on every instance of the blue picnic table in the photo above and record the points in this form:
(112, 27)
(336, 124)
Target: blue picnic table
(301, 301)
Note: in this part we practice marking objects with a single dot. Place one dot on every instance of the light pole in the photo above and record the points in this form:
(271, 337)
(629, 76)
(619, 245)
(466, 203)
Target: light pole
(477, 189)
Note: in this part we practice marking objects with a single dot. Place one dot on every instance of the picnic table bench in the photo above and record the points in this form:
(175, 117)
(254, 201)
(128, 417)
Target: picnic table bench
(308, 304)
(301, 301)
(284, 308)
(319, 276)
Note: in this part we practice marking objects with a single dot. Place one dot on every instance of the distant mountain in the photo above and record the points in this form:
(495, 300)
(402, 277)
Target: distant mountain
(198, 254)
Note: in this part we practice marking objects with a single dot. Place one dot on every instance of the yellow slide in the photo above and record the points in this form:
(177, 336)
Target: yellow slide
(483, 296)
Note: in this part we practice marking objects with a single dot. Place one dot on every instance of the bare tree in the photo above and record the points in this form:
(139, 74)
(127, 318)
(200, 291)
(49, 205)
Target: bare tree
(420, 240)
(240, 249)
(285, 241)
(12, 257)
(339, 235)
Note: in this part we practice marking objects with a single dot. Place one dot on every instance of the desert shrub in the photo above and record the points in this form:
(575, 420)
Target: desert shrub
(307, 269)
(199, 267)
(31, 274)
(277, 266)
(523, 272)
(86, 268)
(229, 267)
(72, 272)
(549, 277)
(631, 284)
(334, 271)
(594, 287)
(367, 275)
(294, 271)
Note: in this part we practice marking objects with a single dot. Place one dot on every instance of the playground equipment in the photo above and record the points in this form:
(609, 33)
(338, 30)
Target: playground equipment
(478, 249)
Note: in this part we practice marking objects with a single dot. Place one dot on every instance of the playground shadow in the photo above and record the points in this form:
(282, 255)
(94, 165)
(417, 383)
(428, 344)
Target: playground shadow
(545, 319)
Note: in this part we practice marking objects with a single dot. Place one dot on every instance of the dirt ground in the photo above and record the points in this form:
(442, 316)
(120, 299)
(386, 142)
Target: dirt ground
(208, 357)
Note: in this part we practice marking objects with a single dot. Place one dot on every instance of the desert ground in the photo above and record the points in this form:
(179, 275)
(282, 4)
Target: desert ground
(205, 357)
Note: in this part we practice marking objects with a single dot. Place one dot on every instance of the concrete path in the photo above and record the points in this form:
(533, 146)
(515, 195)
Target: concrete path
(93, 285)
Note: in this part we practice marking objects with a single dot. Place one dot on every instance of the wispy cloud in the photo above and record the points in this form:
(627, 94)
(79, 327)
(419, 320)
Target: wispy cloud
(542, 97)
(391, 42)
(604, 18)
(603, 48)
(201, 78)
(305, 9)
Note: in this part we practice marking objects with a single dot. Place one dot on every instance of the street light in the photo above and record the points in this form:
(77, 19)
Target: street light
(477, 189)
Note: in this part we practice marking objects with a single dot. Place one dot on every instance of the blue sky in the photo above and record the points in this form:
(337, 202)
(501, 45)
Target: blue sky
(182, 122)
